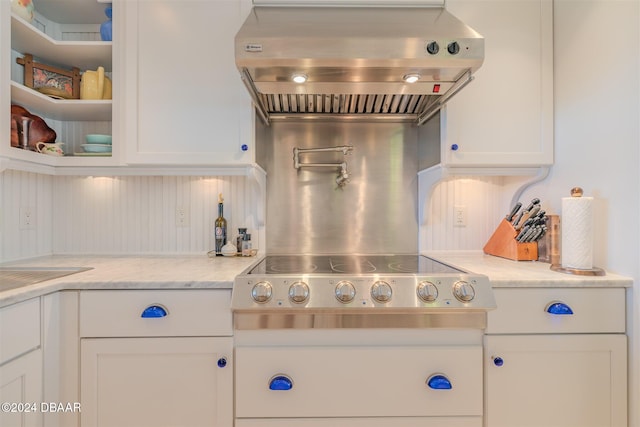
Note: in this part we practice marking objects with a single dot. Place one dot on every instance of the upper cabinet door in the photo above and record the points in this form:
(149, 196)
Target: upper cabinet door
(185, 102)
(505, 116)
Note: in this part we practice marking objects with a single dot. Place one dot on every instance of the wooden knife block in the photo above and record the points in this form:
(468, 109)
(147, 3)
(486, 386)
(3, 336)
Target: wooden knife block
(503, 243)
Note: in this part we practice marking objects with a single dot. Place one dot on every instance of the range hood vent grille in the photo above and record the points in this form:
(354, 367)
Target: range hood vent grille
(345, 104)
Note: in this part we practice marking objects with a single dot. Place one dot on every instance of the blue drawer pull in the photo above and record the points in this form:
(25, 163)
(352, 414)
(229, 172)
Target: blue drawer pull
(558, 308)
(439, 382)
(280, 382)
(154, 311)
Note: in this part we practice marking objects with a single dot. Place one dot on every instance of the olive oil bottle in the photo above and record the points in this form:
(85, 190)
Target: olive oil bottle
(220, 227)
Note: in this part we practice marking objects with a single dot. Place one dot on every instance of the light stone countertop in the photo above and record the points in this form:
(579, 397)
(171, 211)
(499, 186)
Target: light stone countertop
(504, 272)
(201, 272)
(130, 272)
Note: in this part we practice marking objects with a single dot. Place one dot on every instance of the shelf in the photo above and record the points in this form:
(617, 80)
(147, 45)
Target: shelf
(86, 55)
(73, 11)
(60, 109)
(29, 161)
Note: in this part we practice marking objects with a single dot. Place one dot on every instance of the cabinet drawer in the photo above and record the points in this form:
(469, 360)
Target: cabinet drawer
(363, 381)
(19, 329)
(526, 310)
(363, 422)
(168, 313)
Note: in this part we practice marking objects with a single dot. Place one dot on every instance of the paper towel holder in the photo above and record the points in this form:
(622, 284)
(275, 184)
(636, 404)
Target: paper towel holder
(593, 271)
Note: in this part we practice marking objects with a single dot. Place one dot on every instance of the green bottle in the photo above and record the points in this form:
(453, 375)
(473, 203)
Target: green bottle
(221, 227)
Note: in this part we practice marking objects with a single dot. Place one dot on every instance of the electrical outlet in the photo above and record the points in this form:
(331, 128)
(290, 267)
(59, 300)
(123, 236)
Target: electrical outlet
(182, 217)
(27, 218)
(460, 216)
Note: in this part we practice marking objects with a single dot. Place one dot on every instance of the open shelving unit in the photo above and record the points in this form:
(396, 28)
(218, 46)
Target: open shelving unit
(71, 118)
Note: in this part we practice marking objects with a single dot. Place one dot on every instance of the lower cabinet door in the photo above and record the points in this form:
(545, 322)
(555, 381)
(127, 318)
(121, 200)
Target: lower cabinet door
(157, 382)
(556, 380)
(363, 422)
(21, 391)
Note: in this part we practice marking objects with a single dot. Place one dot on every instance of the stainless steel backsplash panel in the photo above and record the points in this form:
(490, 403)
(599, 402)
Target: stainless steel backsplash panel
(374, 213)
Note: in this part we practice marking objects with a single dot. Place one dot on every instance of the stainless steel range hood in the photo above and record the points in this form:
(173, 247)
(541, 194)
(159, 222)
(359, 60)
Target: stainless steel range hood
(354, 62)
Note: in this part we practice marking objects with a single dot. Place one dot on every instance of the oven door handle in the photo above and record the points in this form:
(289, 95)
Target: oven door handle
(280, 382)
(439, 382)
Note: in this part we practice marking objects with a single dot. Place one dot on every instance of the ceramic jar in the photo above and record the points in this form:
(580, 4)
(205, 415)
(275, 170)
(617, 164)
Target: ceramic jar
(106, 26)
(23, 8)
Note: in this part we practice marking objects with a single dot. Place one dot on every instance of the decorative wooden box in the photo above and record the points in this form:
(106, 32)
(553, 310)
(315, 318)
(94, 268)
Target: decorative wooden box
(503, 243)
(52, 81)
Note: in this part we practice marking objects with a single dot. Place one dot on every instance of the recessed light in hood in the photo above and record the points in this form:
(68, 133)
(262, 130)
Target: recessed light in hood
(360, 62)
(411, 78)
(299, 78)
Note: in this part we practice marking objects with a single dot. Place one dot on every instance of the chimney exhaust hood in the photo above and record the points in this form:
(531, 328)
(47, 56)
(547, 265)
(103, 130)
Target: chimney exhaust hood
(399, 63)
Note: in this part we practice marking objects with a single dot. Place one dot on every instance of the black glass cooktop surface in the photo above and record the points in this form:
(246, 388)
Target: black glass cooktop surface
(351, 264)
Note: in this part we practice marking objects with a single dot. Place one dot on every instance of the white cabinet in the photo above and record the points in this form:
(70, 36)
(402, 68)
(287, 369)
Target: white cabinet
(185, 100)
(156, 382)
(20, 364)
(21, 390)
(64, 36)
(504, 118)
(61, 357)
(150, 358)
(556, 370)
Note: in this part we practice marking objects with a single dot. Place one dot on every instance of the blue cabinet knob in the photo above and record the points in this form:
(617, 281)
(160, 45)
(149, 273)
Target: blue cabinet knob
(558, 308)
(280, 382)
(222, 362)
(439, 382)
(498, 361)
(245, 147)
(454, 147)
(154, 311)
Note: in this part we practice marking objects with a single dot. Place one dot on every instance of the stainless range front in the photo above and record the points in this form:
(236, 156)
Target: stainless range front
(352, 341)
(349, 291)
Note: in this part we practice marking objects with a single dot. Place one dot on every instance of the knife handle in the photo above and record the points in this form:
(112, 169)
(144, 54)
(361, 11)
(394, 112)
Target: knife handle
(514, 211)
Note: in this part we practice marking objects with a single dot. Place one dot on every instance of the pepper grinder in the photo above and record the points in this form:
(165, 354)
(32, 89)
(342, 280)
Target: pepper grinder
(246, 245)
(24, 132)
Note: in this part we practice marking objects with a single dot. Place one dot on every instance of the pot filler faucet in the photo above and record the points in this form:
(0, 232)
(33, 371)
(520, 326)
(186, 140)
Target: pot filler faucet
(343, 175)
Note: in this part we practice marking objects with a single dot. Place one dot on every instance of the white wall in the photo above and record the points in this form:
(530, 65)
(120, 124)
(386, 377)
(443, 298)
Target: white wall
(119, 215)
(34, 192)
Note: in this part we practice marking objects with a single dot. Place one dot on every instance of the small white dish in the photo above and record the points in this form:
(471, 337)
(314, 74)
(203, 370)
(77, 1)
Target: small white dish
(229, 249)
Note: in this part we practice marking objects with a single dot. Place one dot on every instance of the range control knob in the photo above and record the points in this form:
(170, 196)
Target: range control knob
(262, 292)
(453, 48)
(427, 291)
(299, 292)
(432, 48)
(381, 291)
(463, 291)
(345, 291)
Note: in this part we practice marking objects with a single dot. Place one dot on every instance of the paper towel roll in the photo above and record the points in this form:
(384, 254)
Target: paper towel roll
(577, 232)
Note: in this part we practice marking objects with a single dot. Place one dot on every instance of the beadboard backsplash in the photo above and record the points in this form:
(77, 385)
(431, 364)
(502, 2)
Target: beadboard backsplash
(23, 193)
(137, 214)
(120, 215)
(485, 201)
